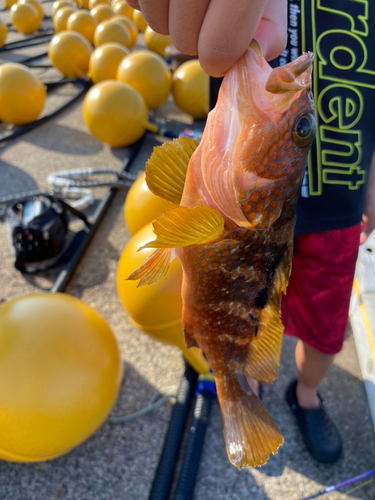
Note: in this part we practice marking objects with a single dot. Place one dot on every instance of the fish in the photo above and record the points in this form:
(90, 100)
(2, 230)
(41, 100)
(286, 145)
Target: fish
(232, 227)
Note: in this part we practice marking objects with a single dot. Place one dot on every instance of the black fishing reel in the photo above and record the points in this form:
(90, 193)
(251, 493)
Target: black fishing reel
(39, 229)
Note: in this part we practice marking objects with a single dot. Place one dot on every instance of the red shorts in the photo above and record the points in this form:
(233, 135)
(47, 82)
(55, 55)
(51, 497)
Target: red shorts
(316, 306)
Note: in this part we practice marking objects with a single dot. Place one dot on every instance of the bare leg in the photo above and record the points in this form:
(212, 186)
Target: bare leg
(312, 366)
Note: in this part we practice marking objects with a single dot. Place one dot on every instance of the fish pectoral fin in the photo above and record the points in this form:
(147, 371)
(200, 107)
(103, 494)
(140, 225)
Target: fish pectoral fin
(166, 169)
(183, 226)
(265, 349)
(153, 268)
(251, 434)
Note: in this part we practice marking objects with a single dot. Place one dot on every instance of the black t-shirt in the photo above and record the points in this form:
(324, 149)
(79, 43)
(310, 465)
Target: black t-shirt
(342, 35)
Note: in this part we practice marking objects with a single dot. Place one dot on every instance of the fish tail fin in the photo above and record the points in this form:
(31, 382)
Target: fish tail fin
(251, 434)
(153, 268)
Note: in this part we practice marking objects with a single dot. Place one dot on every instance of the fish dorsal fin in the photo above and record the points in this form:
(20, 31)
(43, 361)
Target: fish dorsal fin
(166, 169)
(183, 226)
(153, 268)
(265, 349)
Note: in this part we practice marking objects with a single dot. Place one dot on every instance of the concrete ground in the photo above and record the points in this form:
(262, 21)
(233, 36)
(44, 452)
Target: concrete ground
(119, 461)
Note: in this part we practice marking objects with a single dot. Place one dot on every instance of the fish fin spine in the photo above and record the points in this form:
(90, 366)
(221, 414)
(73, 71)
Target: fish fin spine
(251, 434)
(154, 267)
(166, 169)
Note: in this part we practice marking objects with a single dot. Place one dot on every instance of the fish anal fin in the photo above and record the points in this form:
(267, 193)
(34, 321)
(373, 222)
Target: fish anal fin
(154, 267)
(265, 349)
(166, 169)
(183, 226)
(251, 434)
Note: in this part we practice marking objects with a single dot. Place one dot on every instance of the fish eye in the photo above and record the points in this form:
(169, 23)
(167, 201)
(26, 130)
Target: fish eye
(304, 130)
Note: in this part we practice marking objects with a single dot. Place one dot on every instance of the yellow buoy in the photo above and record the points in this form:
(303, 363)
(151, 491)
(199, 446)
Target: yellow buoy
(60, 374)
(25, 18)
(58, 4)
(22, 94)
(112, 32)
(37, 5)
(82, 22)
(148, 73)
(123, 9)
(142, 206)
(70, 53)
(61, 18)
(102, 12)
(105, 60)
(94, 3)
(139, 20)
(162, 300)
(3, 32)
(156, 42)
(8, 3)
(130, 25)
(190, 89)
(115, 113)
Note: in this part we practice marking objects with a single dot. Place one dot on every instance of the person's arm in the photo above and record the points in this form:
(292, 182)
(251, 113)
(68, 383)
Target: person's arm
(368, 218)
(218, 31)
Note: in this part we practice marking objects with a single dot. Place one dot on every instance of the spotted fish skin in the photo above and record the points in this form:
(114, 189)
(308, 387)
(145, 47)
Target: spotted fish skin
(248, 170)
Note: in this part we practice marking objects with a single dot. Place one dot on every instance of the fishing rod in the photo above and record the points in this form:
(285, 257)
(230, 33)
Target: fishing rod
(335, 487)
(164, 474)
(205, 395)
(25, 43)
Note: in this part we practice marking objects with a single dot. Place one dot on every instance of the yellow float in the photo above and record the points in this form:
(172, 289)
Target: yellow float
(25, 18)
(70, 53)
(3, 33)
(94, 3)
(139, 20)
(156, 42)
(104, 61)
(123, 9)
(61, 18)
(149, 74)
(22, 94)
(8, 3)
(112, 32)
(130, 25)
(142, 206)
(35, 4)
(58, 4)
(155, 309)
(60, 373)
(83, 23)
(115, 113)
(190, 89)
(102, 12)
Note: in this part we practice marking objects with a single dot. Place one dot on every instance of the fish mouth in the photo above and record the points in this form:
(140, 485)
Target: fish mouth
(292, 77)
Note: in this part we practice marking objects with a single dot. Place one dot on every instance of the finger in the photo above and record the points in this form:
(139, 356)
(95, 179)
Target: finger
(271, 33)
(134, 4)
(185, 21)
(156, 13)
(226, 33)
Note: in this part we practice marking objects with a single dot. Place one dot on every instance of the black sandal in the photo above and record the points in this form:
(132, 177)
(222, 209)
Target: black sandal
(319, 433)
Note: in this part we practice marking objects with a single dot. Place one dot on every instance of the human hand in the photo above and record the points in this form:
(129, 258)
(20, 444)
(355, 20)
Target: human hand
(219, 31)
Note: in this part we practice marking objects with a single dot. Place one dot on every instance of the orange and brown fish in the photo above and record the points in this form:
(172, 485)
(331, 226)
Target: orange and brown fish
(232, 228)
